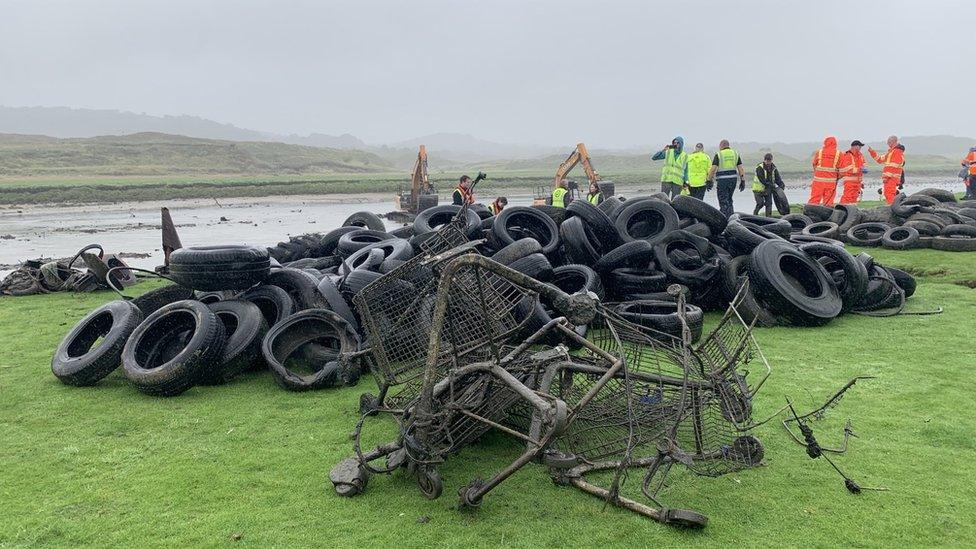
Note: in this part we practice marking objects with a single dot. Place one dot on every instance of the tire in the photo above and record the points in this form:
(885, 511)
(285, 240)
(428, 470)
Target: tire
(662, 316)
(598, 222)
(152, 300)
(965, 231)
(634, 254)
(921, 200)
(299, 285)
(845, 216)
(208, 297)
(355, 282)
(899, 209)
(404, 232)
(882, 292)
(793, 285)
(743, 237)
(517, 250)
(394, 249)
(700, 271)
(354, 241)
(556, 214)
(659, 217)
(244, 327)
(905, 281)
(930, 218)
(337, 303)
(924, 228)
(954, 244)
(781, 201)
(925, 241)
(734, 275)
(291, 334)
(816, 212)
(867, 234)
(480, 210)
(823, 229)
(797, 222)
(851, 276)
(330, 242)
(623, 282)
(367, 220)
(806, 239)
(900, 238)
(76, 362)
(517, 222)
(172, 349)
(536, 266)
(610, 205)
(881, 214)
(574, 279)
(577, 243)
(941, 195)
(274, 303)
(432, 219)
(211, 268)
(778, 226)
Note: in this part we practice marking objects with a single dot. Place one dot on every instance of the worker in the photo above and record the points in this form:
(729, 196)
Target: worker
(726, 165)
(852, 173)
(970, 162)
(594, 196)
(893, 168)
(498, 205)
(560, 195)
(698, 166)
(767, 175)
(674, 173)
(826, 171)
(463, 194)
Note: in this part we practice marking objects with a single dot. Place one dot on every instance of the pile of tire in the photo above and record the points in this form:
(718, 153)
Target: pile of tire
(930, 218)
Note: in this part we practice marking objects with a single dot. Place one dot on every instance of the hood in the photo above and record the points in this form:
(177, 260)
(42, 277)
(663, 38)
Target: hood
(830, 142)
(972, 149)
(681, 143)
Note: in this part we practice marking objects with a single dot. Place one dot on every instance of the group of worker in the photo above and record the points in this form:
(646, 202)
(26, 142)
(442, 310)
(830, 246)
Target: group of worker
(694, 174)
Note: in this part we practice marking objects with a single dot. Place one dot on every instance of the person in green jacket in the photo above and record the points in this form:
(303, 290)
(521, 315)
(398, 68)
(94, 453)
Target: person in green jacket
(762, 185)
(674, 173)
(698, 165)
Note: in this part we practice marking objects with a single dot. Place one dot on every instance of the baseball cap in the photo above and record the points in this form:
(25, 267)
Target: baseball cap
(857, 143)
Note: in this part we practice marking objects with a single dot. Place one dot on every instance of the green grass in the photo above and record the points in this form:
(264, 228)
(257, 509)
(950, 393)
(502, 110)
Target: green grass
(109, 466)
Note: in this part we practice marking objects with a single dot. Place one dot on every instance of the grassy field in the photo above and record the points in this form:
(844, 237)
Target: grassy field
(248, 462)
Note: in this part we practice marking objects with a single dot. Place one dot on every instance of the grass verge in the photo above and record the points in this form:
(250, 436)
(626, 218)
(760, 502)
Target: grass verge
(248, 462)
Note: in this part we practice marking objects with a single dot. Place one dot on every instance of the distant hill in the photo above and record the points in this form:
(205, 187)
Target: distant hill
(163, 154)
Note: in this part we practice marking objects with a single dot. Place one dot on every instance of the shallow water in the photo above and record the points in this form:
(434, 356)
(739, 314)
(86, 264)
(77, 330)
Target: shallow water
(134, 227)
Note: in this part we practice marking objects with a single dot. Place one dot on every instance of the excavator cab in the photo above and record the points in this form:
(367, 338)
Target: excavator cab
(543, 195)
(420, 196)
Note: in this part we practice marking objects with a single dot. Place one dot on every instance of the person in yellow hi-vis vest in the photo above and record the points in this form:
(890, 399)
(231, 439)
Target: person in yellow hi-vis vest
(560, 195)
(699, 163)
(594, 196)
(674, 173)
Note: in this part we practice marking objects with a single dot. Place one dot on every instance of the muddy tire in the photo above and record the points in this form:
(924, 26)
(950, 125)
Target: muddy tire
(434, 218)
(598, 222)
(152, 300)
(517, 222)
(170, 351)
(823, 229)
(954, 244)
(337, 303)
(517, 250)
(574, 279)
(797, 222)
(274, 302)
(368, 220)
(648, 220)
(76, 362)
(299, 285)
(576, 242)
(817, 213)
(635, 254)
(867, 234)
(849, 274)
(793, 285)
(291, 334)
(244, 328)
(662, 316)
(900, 238)
(211, 268)
(535, 266)
(781, 201)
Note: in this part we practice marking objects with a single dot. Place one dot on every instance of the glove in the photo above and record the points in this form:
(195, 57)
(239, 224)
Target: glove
(880, 191)
(742, 185)
(781, 185)
(709, 185)
(900, 186)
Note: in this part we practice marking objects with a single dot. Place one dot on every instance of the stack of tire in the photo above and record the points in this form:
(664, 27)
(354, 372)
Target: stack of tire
(930, 218)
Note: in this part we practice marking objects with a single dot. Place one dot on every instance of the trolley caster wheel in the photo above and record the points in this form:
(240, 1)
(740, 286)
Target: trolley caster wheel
(466, 497)
(748, 449)
(685, 518)
(429, 481)
(349, 478)
(368, 404)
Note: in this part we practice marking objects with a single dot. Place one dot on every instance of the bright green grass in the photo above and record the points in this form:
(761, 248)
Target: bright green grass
(109, 466)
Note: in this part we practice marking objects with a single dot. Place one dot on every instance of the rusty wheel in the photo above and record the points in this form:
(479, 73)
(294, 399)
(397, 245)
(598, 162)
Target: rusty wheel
(429, 481)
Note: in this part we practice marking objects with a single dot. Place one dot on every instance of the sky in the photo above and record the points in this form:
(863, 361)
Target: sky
(610, 73)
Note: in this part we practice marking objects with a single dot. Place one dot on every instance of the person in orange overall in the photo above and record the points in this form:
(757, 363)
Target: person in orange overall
(826, 163)
(970, 163)
(893, 166)
(851, 172)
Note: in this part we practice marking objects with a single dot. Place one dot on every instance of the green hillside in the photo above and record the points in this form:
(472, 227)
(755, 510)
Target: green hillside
(153, 154)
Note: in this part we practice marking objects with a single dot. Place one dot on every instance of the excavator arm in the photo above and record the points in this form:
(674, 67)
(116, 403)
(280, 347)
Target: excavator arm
(419, 178)
(579, 156)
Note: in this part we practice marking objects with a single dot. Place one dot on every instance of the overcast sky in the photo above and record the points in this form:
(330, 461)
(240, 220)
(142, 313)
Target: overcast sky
(614, 74)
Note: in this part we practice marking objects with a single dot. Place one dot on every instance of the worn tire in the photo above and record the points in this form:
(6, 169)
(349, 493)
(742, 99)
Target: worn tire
(517, 250)
(905, 281)
(852, 280)
(337, 303)
(301, 328)
(900, 238)
(535, 266)
(781, 202)
(432, 219)
(152, 300)
(699, 272)
(743, 237)
(299, 285)
(823, 229)
(734, 275)
(656, 219)
(170, 351)
(598, 222)
(368, 220)
(219, 267)
(959, 230)
(817, 212)
(517, 222)
(634, 254)
(76, 362)
(662, 316)
(867, 234)
(576, 242)
(797, 222)
(954, 244)
(793, 285)
(244, 327)
(274, 302)
(354, 241)
(575, 279)
(625, 282)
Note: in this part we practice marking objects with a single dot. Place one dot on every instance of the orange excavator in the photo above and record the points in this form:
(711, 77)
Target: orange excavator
(543, 195)
(420, 196)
